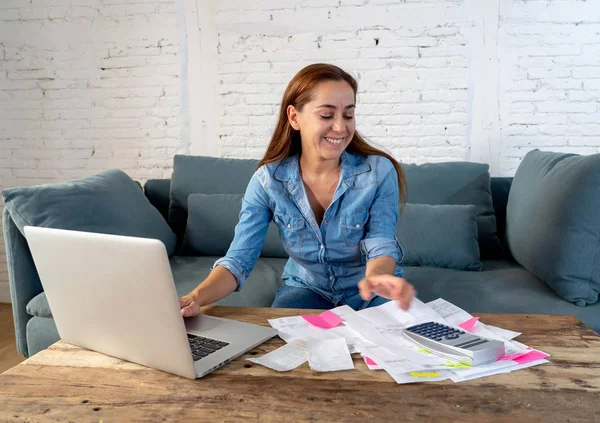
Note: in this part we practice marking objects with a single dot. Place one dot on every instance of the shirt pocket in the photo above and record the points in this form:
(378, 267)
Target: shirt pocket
(290, 229)
(353, 227)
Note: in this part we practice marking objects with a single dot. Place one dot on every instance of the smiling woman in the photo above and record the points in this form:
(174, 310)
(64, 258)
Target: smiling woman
(334, 199)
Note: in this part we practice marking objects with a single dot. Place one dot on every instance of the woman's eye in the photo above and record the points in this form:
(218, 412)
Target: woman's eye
(331, 117)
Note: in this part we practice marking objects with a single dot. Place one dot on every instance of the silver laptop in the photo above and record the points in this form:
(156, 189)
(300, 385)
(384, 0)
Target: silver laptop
(115, 295)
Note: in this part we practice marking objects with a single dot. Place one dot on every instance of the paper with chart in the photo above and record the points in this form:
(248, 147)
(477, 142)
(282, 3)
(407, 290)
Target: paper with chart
(456, 316)
(377, 334)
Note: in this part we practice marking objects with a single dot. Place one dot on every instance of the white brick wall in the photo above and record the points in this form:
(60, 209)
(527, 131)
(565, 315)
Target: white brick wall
(438, 79)
(409, 59)
(550, 85)
(85, 86)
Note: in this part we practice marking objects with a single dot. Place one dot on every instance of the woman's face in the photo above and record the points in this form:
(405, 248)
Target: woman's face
(326, 123)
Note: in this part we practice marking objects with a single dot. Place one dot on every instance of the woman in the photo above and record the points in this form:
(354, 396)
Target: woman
(334, 198)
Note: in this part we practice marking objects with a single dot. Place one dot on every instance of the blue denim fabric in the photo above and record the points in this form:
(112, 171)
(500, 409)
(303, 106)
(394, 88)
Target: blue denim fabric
(358, 226)
(289, 296)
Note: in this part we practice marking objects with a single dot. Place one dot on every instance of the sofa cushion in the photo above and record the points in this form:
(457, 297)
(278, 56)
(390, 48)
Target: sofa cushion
(41, 333)
(439, 236)
(207, 175)
(38, 306)
(109, 202)
(157, 191)
(211, 226)
(258, 290)
(553, 224)
(501, 287)
(457, 183)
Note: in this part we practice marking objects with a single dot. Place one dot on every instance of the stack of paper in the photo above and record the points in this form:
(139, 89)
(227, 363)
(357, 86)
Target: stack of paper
(327, 340)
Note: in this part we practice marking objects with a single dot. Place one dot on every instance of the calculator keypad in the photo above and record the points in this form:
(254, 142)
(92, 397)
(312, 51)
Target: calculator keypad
(435, 331)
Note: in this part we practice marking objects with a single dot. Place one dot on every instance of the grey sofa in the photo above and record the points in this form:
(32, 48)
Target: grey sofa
(502, 286)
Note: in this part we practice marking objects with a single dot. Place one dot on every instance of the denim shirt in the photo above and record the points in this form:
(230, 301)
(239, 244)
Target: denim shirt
(359, 225)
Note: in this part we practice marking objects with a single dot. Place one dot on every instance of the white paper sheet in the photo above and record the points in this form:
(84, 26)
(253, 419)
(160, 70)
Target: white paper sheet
(293, 328)
(378, 334)
(418, 312)
(453, 315)
(504, 334)
(285, 358)
(329, 355)
(386, 332)
(414, 377)
(462, 377)
(369, 362)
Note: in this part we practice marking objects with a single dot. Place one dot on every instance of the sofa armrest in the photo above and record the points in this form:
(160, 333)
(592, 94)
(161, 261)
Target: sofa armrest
(23, 279)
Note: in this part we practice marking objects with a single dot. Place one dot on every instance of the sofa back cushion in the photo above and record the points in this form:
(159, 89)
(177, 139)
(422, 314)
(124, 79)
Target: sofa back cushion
(109, 202)
(439, 236)
(205, 175)
(461, 183)
(451, 183)
(211, 226)
(553, 222)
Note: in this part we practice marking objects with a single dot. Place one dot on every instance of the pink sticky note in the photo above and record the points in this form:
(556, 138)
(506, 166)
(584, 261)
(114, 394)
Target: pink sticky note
(531, 356)
(513, 356)
(369, 361)
(325, 320)
(469, 324)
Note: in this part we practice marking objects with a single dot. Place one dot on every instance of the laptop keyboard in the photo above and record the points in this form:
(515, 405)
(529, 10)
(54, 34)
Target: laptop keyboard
(202, 347)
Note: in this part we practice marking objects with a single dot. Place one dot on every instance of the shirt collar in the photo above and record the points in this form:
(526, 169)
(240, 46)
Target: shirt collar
(288, 169)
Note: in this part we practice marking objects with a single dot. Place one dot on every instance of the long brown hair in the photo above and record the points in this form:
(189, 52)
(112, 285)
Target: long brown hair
(285, 141)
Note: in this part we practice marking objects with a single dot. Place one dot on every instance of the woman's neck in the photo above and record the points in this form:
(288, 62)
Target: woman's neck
(319, 169)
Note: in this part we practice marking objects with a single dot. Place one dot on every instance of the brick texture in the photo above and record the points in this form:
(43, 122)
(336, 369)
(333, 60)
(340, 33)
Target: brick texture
(410, 60)
(550, 78)
(85, 86)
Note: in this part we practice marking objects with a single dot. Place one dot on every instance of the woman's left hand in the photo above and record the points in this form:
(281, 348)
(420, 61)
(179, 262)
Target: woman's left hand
(387, 286)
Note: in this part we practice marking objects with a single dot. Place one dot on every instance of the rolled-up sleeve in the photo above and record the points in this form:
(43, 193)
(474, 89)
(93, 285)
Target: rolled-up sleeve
(380, 236)
(250, 232)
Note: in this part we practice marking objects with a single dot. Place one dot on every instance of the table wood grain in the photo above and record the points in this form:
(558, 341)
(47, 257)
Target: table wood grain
(67, 383)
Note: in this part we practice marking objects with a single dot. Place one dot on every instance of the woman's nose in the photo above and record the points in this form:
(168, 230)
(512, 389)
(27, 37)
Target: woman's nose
(338, 124)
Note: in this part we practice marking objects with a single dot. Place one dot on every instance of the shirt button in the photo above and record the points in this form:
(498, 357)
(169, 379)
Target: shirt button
(289, 226)
(357, 226)
(331, 278)
(322, 246)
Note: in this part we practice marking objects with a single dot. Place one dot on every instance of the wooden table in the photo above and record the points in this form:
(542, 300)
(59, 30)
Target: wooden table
(66, 383)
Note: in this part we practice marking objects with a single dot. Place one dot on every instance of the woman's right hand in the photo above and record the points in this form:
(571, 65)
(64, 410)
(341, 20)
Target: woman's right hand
(189, 305)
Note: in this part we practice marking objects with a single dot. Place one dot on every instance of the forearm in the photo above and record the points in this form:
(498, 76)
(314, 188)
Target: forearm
(219, 284)
(381, 266)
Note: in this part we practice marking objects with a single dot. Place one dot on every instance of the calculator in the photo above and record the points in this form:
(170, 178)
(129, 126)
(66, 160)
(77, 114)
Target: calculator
(455, 343)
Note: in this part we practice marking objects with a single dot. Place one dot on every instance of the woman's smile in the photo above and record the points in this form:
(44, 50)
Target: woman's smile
(334, 140)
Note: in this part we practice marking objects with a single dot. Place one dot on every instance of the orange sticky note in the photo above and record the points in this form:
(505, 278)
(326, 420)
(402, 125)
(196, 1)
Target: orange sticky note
(469, 324)
(325, 320)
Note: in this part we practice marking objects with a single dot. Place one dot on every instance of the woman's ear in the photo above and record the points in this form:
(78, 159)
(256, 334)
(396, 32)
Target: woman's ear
(292, 115)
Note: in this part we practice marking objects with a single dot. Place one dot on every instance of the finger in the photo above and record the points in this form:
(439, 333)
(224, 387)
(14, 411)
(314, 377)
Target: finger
(184, 301)
(365, 288)
(190, 310)
(406, 296)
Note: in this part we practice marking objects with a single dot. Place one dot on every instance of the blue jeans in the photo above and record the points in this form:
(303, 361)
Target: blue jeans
(300, 297)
